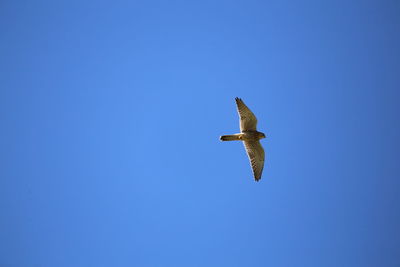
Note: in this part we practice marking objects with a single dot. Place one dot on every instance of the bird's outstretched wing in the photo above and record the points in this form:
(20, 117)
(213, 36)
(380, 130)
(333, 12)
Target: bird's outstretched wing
(248, 122)
(256, 156)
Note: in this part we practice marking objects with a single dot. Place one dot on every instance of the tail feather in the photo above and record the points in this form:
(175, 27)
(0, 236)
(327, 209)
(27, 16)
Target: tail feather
(229, 137)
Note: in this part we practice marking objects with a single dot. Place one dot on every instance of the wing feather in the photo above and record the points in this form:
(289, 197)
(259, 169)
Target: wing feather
(248, 121)
(256, 155)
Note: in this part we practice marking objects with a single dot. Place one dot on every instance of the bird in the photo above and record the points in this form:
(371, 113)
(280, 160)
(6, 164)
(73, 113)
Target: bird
(250, 137)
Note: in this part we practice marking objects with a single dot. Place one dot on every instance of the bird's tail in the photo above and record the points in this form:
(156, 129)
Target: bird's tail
(233, 137)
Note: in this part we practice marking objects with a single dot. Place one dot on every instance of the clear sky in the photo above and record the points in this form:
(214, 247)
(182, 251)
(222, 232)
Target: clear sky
(111, 113)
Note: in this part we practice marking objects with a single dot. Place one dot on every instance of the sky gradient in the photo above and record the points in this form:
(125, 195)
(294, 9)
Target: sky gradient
(111, 114)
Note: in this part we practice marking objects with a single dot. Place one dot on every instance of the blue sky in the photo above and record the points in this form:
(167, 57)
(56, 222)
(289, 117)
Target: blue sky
(111, 114)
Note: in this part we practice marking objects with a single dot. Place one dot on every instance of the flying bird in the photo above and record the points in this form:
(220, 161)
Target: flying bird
(250, 137)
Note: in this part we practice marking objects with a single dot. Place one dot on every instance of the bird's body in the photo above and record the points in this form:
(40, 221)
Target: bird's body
(250, 137)
(245, 136)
